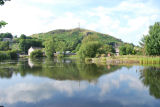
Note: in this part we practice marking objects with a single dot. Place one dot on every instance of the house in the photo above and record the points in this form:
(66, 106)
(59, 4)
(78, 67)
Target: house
(31, 49)
(116, 47)
(7, 39)
(117, 51)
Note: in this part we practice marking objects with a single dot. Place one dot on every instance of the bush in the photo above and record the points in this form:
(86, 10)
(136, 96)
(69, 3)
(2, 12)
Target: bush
(36, 54)
(89, 50)
(3, 56)
(11, 54)
(103, 55)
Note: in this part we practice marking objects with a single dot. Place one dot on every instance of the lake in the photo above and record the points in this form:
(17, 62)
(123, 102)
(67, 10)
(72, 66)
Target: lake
(72, 83)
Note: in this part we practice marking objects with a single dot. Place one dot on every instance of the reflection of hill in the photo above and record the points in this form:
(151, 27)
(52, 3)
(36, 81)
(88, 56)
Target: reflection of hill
(150, 76)
(61, 69)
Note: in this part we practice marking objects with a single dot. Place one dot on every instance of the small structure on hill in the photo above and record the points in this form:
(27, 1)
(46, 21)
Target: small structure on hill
(31, 49)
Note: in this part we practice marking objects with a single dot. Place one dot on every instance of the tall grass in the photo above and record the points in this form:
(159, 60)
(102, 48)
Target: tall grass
(131, 59)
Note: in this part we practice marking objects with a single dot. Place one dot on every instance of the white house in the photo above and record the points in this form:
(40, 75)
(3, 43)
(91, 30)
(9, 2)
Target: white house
(31, 49)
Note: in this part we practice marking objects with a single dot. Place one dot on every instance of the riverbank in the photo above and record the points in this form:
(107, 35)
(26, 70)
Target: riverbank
(126, 59)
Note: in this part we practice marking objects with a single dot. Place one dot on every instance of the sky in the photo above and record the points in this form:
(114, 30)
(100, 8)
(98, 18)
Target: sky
(127, 20)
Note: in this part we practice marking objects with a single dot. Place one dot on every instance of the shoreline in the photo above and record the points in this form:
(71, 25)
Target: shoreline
(126, 59)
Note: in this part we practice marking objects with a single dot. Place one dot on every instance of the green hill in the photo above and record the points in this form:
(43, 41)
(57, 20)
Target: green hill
(73, 37)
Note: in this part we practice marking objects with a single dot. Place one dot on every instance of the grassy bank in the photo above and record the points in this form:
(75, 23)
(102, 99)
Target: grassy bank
(127, 59)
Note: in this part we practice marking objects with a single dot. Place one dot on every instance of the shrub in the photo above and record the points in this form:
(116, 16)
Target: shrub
(36, 54)
(3, 56)
(11, 54)
(103, 55)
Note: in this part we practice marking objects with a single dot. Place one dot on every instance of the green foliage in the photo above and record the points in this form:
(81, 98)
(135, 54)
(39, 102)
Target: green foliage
(90, 38)
(6, 35)
(50, 47)
(152, 40)
(150, 78)
(23, 36)
(105, 49)
(4, 46)
(2, 23)
(73, 38)
(89, 49)
(127, 49)
(36, 54)
(25, 44)
(11, 54)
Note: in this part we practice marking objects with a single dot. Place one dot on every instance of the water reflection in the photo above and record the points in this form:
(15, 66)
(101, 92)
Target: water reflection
(65, 69)
(150, 77)
(46, 82)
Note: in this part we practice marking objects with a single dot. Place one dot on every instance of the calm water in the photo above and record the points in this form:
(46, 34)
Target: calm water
(71, 83)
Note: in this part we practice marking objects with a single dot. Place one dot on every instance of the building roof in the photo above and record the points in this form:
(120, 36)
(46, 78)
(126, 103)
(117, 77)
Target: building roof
(35, 47)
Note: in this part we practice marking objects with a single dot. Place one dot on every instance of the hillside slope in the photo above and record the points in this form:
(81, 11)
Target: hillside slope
(73, 37)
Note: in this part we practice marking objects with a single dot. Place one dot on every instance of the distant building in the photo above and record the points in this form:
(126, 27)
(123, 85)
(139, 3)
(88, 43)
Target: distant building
(7, 39)
(116, 47)
(31, 49)
(117, 51)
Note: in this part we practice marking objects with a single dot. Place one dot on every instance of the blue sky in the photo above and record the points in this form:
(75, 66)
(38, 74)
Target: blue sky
(127, 20)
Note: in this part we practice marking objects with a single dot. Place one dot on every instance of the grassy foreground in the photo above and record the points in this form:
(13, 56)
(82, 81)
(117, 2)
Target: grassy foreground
(126, 59)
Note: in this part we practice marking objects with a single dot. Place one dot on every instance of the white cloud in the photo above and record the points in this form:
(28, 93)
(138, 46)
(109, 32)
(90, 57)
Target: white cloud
(32, 92)
(55, 2)
(128, 20)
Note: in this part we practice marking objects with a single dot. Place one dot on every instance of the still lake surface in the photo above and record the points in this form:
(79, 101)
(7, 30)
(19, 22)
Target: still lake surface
(72, 83)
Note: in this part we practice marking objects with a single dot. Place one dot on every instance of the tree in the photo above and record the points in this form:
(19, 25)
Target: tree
(23, 36)
(126, 49)
(25, 44)
(36, 54)
(49, 47)
(4, 46)
(89, 49)
(105, 49)
(2, 23)
(6, 35)
(90, 38)
(142, 45)
(152, 40)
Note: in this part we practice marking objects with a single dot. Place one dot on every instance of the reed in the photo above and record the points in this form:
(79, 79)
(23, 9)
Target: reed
(131, 59)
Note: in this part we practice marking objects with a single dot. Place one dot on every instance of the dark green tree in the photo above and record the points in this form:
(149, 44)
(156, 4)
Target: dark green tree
(89, 49)
(25, 44)
(49, 47)
(4, 46)
(6, 35)
(23, 36)
(152, 40)
(2, 23)
(36, 54)
(127, 49)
